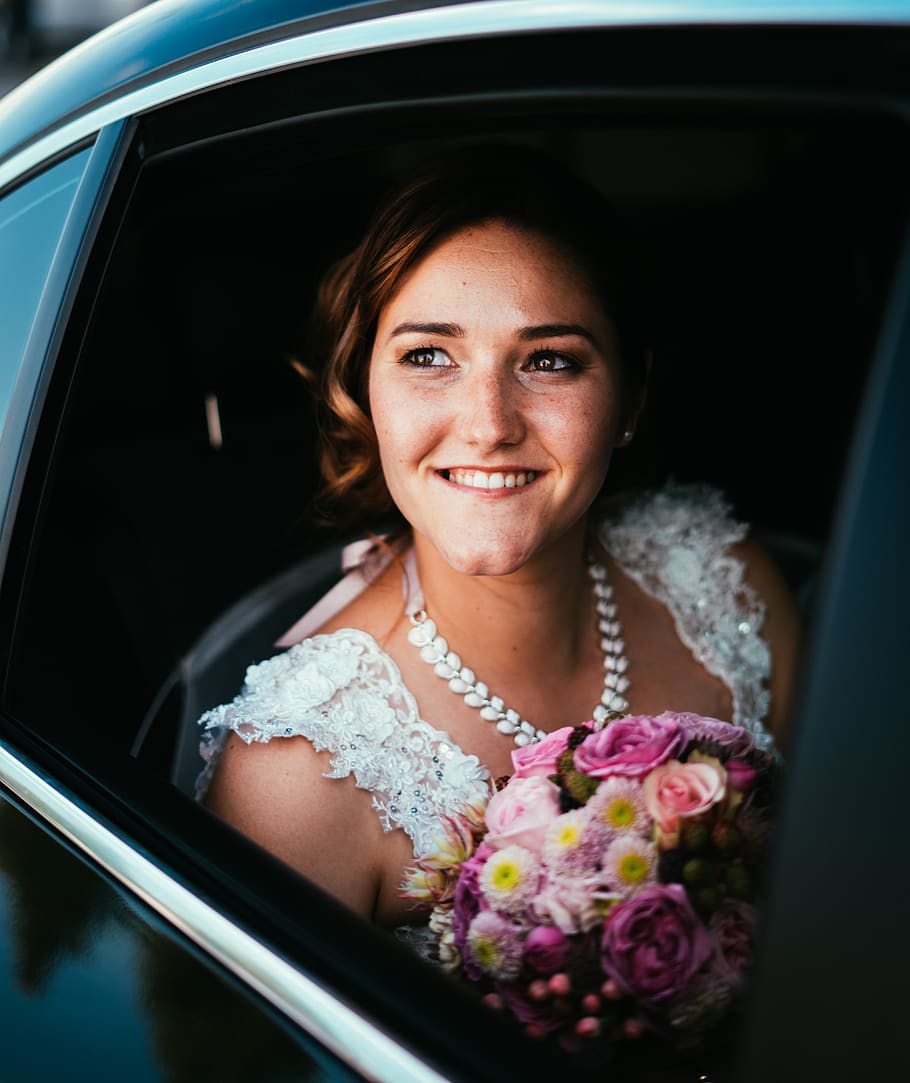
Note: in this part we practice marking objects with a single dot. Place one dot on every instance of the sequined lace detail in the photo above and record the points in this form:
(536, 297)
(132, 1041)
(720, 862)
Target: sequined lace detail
(675, 543)
(345, 694)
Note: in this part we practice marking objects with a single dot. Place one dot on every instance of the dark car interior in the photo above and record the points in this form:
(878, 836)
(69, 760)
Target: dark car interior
(166, 536)
(183, 473)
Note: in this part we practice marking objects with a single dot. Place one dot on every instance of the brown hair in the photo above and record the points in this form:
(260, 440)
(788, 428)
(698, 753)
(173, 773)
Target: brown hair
(511, 184)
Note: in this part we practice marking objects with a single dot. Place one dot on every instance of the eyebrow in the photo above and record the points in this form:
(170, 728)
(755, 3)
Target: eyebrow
(450, 330)
(526, 334)
(556, 330)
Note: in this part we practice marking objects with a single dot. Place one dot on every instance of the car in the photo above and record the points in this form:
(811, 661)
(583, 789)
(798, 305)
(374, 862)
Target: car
(169, 194)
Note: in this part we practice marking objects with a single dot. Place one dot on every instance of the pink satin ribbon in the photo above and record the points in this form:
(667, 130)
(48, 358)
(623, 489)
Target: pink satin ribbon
(362, 562)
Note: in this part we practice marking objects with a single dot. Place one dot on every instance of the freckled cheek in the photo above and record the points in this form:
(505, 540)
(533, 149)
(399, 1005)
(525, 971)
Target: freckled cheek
(405, 431)
(584, 432)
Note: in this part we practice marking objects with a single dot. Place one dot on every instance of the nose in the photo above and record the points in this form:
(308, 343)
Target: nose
(490, 413)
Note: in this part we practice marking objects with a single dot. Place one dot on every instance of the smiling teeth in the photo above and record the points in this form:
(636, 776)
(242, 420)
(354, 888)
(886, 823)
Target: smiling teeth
(479, 479)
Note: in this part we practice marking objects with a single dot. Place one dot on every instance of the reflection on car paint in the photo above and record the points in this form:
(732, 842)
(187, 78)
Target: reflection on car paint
(80, 952)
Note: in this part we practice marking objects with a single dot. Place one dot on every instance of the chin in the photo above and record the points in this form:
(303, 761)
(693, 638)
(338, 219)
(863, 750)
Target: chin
(483, 565)
(494, 560)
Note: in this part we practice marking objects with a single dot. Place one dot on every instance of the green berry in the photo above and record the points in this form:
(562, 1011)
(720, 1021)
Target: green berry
(725, 836)
(696, 871)
(580, 786)
(707, 899)
(739, 881)
(694, 837)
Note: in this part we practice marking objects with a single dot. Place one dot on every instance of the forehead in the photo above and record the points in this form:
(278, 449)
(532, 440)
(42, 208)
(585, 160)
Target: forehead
(492, 264)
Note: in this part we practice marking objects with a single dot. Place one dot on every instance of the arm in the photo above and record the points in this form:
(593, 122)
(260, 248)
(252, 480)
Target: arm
(325, 828)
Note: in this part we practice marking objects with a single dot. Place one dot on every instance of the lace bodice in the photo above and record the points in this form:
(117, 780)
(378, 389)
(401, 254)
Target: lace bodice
(675, 544)
(344, 693)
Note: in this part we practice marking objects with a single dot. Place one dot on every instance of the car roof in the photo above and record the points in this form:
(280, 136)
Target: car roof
(168, 37)
(159, 40)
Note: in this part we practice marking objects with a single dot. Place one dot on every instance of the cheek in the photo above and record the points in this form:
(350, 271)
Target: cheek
(405, 431)
(386, 411)
(587, 430)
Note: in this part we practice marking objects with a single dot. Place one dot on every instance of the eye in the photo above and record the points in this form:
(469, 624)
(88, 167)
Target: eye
(550, 361)
(426, 357)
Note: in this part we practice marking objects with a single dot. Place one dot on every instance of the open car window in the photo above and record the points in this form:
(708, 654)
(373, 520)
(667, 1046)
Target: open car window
(164, 538)
(181, 479)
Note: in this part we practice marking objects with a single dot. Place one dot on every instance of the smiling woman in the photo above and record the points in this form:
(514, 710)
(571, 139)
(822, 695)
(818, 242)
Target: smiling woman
(462, 190)
(523, 387)
(484, 360)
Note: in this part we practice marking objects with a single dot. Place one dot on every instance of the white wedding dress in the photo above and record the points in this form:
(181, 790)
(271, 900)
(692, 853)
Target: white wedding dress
(344, 693)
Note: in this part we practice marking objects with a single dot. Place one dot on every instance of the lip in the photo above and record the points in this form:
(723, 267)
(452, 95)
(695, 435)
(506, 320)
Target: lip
(496, 480)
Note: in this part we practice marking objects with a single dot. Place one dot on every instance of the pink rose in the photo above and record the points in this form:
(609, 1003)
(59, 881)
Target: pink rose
(741, 775)
(654, 943)
(734, 740)
(546, 949)
(733, 925)
(683, 789)
(631, 746)
(521, 813)
(540, 758)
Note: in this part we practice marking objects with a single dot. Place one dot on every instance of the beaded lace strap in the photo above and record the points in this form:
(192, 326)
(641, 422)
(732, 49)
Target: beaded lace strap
(675, 544)
(345, 694)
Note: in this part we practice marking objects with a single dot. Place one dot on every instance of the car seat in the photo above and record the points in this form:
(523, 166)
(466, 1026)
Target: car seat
(211, 672)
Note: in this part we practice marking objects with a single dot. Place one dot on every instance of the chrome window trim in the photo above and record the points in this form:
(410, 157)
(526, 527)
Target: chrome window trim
(458, 22)
(352, 1037)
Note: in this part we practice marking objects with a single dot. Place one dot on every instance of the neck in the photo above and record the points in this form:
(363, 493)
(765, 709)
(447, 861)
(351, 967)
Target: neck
(541, 615)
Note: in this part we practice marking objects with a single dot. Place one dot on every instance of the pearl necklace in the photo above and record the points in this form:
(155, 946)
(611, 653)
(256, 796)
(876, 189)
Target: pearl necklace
(434, 650)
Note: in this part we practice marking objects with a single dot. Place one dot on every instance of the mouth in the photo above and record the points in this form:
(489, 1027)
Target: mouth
(489, 479)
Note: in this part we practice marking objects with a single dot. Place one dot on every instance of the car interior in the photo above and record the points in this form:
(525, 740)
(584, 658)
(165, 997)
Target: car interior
(166, 535)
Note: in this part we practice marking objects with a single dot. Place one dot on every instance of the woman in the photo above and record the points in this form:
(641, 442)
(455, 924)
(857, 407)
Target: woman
(484, 362)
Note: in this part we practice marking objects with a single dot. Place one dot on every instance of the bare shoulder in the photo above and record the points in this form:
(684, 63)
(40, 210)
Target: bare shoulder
(783, 629)
(277, 795)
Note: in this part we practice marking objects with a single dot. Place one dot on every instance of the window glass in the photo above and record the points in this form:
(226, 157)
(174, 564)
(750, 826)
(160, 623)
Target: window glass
(31, 221)
(183, 476)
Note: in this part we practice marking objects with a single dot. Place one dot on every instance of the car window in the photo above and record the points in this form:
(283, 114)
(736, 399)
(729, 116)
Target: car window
(31, 220)
(186, 473)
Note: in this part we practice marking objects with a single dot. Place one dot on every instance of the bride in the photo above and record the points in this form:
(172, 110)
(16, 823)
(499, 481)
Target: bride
(483, 364)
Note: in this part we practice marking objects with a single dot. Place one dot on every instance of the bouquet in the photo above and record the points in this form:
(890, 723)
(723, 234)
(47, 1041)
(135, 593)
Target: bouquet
(607, 890)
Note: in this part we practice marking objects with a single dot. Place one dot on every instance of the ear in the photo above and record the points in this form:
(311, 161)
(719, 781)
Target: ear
(641, 397)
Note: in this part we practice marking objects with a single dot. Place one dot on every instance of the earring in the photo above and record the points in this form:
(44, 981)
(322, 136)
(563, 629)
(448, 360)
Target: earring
(627, 436)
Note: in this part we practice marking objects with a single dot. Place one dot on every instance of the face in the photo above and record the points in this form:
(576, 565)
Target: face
(495, 393)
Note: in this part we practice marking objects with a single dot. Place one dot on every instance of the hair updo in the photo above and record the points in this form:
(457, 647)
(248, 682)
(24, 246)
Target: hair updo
(515, 185)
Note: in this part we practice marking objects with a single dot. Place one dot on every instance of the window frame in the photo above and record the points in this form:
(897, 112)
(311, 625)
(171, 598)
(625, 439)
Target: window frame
(51, 318)
(810, 907)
